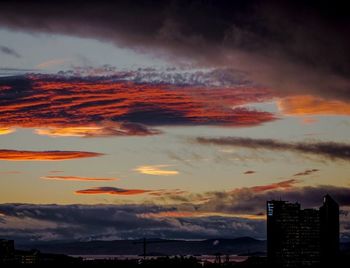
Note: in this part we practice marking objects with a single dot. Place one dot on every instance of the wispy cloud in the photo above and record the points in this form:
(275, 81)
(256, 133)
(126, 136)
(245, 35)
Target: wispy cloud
(6, 130)
(328, 150)
(251, 200)
(107, 129)
(56, 171)
(309, 120)
(17, 155)
(51, 63)
(76, 178)
(306, 172)
(112, 191)
(287, 184)
(120, 191)
(167, 192)
(157, 170)
(198, 214)
(11, 172)
(9, 51)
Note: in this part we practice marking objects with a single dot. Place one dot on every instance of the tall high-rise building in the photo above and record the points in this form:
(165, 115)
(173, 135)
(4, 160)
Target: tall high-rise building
(329, 213)
(302, 237)
(283, 241)
(309, 234)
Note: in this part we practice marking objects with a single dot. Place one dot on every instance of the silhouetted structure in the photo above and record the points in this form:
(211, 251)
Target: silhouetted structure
(329, 213)
(283, 240)
(309, 231)
(7, 251)
(302, 238)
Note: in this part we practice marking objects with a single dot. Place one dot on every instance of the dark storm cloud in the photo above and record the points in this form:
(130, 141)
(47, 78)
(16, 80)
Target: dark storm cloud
(92, 222)
(9, 51)
(293, 46)
(72, 221)
(328, 150)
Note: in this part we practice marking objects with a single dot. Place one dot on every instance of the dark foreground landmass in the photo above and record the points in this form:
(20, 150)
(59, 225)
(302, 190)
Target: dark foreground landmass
(180, 254)
(155, 247)
(163, 262)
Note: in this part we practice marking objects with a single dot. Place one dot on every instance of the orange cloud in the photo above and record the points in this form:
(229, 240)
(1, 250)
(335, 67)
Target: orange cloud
(69, 131)
(108, 129)
(168, 192)
(105, 106)
(156, 170)
(51, 63)
(309, 120)
(282, 185)
(310, 105)
(112, 191)
(273, 186)
(75, 178)
(199, 214)
(6, 130)
(120, 191)
(12, 172)
(16, 155)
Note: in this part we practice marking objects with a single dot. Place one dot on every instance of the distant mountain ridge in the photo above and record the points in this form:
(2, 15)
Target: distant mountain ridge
(241, 245)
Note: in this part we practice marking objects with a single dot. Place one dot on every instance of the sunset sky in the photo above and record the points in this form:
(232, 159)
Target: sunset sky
(153, 119)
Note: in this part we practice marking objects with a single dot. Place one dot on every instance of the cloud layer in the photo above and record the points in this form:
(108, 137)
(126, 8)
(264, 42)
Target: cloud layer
(304, 48)
(310, 105)
(328, 150)
(33, 223)
(121, 191)
(16, 155)
(112, 191)
(106, 106)
(233, 213)
(76, 178)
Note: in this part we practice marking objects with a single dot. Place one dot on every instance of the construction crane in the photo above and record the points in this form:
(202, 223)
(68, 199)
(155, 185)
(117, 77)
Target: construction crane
(146, 242)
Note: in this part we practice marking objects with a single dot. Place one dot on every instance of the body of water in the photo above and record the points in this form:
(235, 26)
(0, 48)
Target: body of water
(203, 258)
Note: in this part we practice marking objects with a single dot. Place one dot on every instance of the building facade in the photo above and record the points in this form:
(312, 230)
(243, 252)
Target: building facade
(309, 231)
(283, 241)
(302, 237)
(329, 215)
